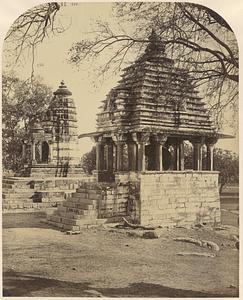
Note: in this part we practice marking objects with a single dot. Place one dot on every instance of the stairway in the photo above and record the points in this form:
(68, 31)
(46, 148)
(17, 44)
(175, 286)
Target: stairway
(81, 209)
(30, 194)
(17, 194)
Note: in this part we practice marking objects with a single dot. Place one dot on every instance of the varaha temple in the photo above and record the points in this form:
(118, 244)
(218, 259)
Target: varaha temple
(140, 173)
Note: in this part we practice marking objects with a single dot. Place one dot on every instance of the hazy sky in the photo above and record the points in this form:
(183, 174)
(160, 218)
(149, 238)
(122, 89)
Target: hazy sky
(51, 64)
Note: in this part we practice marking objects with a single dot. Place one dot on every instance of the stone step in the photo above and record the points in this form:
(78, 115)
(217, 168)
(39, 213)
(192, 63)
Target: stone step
(82, 201)
(16, 190)
(71, 204)
(17, 195)
(79, 206)
(78, 211)
(89, 190)
(73, 222)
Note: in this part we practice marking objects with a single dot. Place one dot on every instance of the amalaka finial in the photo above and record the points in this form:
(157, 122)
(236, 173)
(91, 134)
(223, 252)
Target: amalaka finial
(155, 43)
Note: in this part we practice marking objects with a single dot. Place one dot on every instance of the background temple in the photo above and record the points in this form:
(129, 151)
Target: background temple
(53, 148)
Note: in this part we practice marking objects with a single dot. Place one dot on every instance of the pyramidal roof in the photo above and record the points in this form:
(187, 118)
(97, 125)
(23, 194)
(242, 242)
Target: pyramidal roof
(154, 95)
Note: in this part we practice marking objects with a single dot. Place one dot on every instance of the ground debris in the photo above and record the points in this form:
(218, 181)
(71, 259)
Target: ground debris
(196, 254)
(201, 243)
(93, 293)
(72, 232)
(136, 226)
(150, 235)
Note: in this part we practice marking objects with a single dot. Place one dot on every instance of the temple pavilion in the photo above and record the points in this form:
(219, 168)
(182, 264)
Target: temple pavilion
(145, 119)
(141, 129)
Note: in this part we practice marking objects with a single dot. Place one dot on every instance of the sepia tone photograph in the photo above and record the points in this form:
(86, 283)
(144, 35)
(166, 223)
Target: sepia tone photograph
(120, 151)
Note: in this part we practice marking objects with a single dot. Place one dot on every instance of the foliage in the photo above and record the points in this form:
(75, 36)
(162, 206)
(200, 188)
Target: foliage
(23, 102)
(88, 161)
(225, 161)
(197, 38)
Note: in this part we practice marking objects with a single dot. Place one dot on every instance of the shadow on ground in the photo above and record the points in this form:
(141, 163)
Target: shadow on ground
(17, 284)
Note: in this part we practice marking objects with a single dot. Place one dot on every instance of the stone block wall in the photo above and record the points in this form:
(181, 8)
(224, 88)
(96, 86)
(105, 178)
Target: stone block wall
(179, 198)
(114, 200)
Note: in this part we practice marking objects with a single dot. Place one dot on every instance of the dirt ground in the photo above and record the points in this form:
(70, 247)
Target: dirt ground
(39, 261)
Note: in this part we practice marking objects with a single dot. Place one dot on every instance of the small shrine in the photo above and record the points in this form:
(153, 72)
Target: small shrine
(53, 148)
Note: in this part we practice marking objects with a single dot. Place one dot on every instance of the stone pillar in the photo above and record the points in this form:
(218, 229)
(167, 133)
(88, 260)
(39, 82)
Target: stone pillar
(179, 161)
(140, 139)
(99, 156)
(141, 156)
(210, 148)
(132, 156)
(119, 156)
(176, 156)
(210, 142)
(197, 156)
(50, 152)
(40, 151)
(181, 156)
(23, 151)
(33, 152)
(110, 157)
(160, 141)
(120, 141)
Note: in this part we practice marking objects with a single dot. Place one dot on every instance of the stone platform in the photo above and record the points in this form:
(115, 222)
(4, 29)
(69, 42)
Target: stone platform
(149, 198)
(28, 193)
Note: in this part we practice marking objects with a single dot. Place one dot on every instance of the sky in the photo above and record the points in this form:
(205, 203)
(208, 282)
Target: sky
(52, 65)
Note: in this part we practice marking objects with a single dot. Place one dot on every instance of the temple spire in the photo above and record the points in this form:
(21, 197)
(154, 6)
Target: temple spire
(155, 43)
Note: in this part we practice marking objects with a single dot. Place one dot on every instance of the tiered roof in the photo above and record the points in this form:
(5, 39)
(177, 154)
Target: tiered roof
(154, 95)
(60, 118)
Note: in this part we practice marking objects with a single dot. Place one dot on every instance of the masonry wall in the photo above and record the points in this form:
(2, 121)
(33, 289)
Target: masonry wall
(179, 197)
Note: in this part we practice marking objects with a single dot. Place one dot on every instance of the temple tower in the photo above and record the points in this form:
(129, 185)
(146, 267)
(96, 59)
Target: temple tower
(54, 144)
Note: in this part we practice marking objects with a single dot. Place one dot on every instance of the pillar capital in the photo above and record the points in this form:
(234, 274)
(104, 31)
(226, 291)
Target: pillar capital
(120, 137)
(197, 140)
(141, 137)
(211, 141)
(160, 138)
(97, 138)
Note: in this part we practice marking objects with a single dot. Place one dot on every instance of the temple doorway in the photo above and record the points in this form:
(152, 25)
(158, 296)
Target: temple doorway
(45, 152)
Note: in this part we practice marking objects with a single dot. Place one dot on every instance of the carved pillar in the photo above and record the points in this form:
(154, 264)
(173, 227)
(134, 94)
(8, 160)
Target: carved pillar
(33, 152)
(179, 161)
(141, 138)
(132, 156)
(120, 152)
(181, 156)
(176, 156)
(50, 153)
(110, 157)
(210, 142)
(40, 151)
(99, 156)
(160, 141)
(23, 151)
(197, 155)
(141, 156)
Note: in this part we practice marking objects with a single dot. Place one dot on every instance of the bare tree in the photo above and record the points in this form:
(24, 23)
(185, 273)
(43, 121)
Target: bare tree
(197, 38)
(31, 28)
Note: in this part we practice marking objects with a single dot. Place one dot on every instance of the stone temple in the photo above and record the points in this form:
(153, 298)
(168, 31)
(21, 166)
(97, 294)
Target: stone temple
(142, 128)
(51, 159)
(140, 169)
(52, 150)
